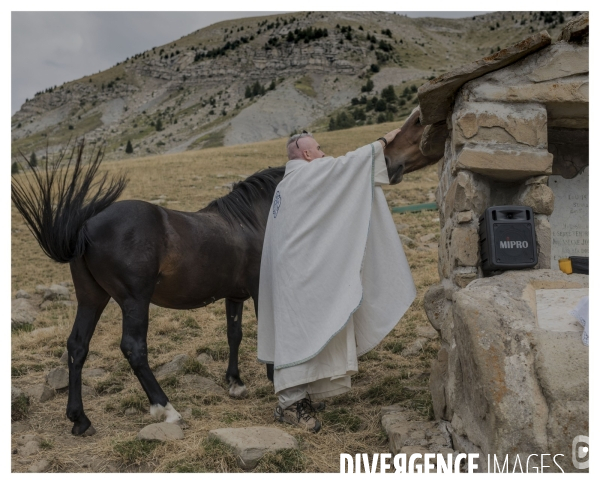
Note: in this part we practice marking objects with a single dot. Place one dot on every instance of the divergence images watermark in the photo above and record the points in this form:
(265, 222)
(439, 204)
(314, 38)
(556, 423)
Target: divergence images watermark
(454, 463)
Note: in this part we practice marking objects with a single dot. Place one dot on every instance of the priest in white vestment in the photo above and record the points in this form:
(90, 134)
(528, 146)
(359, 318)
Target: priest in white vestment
(334, 279)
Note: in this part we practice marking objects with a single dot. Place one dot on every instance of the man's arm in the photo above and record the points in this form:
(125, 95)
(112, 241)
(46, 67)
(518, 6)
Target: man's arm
(389, 137)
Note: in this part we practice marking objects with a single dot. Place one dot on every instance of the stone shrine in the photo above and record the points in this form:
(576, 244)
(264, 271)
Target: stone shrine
(511, 376)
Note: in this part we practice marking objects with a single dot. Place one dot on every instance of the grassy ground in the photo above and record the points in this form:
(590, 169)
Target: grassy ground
(351, 424)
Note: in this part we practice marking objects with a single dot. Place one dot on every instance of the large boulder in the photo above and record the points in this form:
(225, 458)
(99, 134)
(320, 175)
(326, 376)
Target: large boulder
(250, 443)
(522, 369)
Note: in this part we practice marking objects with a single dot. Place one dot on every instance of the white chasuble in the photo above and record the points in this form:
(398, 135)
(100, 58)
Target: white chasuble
(334, 280)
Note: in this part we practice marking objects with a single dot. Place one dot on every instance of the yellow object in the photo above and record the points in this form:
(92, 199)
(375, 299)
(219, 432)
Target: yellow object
(565, 266)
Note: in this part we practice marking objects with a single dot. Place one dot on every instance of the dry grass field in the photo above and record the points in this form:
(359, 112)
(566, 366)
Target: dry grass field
(351, 423)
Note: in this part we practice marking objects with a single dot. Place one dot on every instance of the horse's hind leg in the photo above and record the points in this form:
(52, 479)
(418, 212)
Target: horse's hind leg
(135, 349)
(91, 301)
(234, 310)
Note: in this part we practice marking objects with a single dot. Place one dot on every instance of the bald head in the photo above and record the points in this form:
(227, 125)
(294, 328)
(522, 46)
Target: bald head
(303, 147)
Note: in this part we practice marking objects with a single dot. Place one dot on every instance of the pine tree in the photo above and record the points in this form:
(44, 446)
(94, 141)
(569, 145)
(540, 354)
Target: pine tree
(14, 168)
(33, 160)
(368, 87)
(389, 94)
(129, 147)
(159, 125)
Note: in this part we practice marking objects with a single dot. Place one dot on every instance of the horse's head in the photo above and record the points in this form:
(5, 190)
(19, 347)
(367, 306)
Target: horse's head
(403, 155)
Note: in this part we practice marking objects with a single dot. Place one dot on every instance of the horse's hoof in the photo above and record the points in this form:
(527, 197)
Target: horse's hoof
(238, 391)
(83, 428)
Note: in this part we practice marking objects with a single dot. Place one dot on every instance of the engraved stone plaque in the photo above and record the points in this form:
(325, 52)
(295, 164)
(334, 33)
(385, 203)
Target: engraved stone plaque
(570, 219)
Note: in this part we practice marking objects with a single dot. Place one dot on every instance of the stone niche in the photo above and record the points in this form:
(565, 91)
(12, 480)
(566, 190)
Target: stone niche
(507, 381)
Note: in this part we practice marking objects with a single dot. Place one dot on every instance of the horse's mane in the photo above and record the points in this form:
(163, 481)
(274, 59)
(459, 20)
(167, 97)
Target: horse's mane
(238, 205)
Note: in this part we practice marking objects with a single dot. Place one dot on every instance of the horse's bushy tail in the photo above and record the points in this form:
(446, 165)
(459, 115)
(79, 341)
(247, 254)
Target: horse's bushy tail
(56, 201)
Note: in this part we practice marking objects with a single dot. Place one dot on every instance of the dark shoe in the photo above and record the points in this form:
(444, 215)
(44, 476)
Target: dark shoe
(299, 414)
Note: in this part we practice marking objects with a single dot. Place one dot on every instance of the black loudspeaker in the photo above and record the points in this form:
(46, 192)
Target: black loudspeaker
(507, 238)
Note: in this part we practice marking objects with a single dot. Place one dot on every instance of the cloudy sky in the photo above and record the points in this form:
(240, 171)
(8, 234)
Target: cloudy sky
(49, 48)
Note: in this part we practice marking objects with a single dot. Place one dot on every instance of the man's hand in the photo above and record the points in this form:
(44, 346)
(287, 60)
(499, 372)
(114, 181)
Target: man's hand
(390, 137)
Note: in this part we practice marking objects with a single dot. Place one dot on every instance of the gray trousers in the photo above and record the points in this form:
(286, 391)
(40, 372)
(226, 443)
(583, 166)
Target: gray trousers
(291, 395)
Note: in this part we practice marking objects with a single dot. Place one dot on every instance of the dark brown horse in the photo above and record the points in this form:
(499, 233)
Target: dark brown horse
(139, 253)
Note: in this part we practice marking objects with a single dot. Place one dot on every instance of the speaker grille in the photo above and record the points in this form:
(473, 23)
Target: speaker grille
(513, 243)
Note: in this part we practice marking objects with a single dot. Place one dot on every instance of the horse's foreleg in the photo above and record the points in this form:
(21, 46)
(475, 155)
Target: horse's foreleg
(91, 301)
(135, 349)
(234, 310)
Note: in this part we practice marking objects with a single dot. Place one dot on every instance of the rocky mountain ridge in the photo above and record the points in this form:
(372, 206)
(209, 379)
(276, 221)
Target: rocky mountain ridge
(254, 79)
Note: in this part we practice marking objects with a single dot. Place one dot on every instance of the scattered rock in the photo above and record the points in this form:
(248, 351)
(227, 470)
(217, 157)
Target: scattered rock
(18, 427)
(15, 393)
(40, 393)
(30, 448)
(415, 348)
(50, 304)
(22, 313)
(131, 411)
(203, 385)
(427, 238)
(43, 331)
(204, 358)
(401, 227)
(94, 373)
(161, 431)
(251, 443)
(39, 466)
(66, 283)
(87, 391)
(427, 332)
(407, 241)
(24, 439)
(41, 289)
(58, 378)
(187, 413)
(173, 367)
(21, 294)
(64, 359)
(56, 292)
